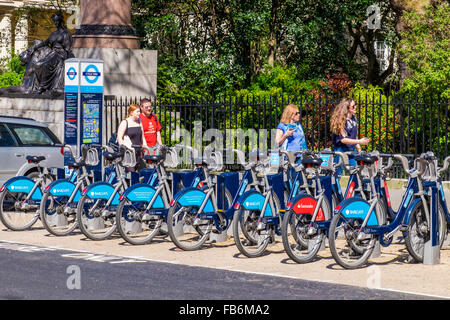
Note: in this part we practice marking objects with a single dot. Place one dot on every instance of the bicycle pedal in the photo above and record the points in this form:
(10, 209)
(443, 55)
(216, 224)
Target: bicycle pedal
(105, 214)
(311, 231)
(260, 226)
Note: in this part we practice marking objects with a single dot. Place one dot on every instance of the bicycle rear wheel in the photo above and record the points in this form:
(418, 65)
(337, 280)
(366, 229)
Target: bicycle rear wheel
(349, 248)
(419, 232)
(250, 237)
(95, 219)
(300, 246)
(131, 226)
(16, 213)
(186, 230)
(58, 218)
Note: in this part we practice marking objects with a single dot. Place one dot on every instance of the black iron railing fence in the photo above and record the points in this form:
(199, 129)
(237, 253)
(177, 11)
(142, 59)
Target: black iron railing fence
(395, 124)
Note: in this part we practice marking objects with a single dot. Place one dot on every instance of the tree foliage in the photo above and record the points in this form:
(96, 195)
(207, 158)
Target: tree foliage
(425, 47)
(218, 46)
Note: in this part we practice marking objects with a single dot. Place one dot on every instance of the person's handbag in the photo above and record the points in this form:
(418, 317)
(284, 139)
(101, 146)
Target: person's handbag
(127, 141)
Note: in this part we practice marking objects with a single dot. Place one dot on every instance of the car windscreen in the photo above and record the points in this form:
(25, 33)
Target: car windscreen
(6, 139)
(31, 136)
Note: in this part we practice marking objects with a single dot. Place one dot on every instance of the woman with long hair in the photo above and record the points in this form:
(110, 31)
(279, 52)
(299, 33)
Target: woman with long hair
(290, 135)
(344, 128)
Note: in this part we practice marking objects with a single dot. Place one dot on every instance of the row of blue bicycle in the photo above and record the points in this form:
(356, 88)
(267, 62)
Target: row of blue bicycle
(295, 196)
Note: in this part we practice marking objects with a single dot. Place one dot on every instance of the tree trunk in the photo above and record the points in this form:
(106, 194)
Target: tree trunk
(272, 30)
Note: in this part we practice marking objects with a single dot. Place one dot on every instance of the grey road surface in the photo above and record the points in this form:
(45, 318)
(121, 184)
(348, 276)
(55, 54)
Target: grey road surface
(36, 273)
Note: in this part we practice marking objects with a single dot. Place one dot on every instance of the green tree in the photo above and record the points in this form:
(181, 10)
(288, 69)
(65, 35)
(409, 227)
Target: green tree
(12, 74)
(425, 48)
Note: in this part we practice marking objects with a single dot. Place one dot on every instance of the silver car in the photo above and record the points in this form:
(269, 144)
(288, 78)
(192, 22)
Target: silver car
(20, 137)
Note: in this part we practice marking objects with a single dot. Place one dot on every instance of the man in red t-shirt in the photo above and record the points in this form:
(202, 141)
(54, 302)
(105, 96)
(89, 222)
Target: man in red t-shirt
(150, 123)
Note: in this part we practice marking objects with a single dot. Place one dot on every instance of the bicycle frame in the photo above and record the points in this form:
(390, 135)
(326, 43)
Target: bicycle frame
(70, 187)
(23, 184)
(157, 191)
(211, 204)
(414, 194)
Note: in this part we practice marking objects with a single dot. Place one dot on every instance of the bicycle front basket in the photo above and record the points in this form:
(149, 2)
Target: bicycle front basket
(92, 157)
(171, 160)
(217, 161)
(129, 158)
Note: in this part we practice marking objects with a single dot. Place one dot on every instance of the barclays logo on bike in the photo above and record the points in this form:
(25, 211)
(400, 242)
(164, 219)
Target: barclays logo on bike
(99, 193)
(354, 212)
(19, 188)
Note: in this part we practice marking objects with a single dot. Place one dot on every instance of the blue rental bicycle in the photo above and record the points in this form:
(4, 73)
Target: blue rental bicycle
(20, 197)
(60, 198)
(419, 225)
(97, 206)
(258, 213)
(442, 201)
(195, 213)
(308, 216)
(358, 224)
(144, 206)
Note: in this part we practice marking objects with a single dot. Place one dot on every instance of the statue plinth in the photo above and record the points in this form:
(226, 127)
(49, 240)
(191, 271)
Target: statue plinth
(105, 24)
(105, 41)
(106, 33)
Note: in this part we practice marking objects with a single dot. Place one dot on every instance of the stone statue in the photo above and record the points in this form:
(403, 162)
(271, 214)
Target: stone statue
(44, 61)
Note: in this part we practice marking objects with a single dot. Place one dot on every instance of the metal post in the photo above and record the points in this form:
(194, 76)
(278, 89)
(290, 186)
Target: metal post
(431, 254)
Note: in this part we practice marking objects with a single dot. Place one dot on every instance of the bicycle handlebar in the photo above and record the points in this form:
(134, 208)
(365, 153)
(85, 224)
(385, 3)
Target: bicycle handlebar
(188, 148)
(444, 166)
(343, 158)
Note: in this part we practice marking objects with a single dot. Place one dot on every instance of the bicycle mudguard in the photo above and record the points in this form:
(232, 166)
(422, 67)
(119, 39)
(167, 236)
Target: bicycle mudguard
(253, 200)
(356, 208)
(410, 209)
(63, 187)
(193, 197)
(23, 184)
(143, 192)
(305, 204)
(101, 190)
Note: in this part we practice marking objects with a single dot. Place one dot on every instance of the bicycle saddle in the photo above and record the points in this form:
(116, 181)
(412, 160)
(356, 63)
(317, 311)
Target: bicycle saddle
(112, 155)
(365, 159)
(312, 162)
(35, 159)
(77, 165)
(154, 157)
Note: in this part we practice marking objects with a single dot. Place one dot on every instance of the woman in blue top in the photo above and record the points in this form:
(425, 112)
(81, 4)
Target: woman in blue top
(344, 129)
(290, 135)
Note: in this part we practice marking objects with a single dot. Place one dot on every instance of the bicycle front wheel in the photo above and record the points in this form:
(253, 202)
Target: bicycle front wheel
(419, 231)
(298, 244)
(250, 236)
(186, 229)
(349, 248)
(131, 225)
(96, 220)
(17, 213)
(57, 217)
